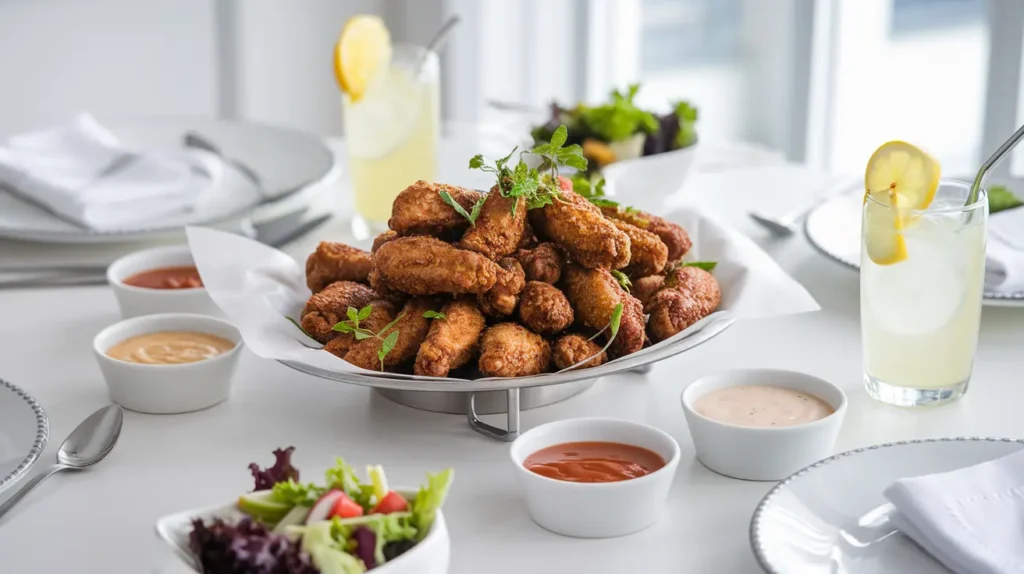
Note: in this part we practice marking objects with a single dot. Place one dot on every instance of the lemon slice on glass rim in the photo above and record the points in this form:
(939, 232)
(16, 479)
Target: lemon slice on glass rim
(362, 50)
(899, 177)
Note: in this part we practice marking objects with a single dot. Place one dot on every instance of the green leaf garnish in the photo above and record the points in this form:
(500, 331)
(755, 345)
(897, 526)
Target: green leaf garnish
(613, 325)
(299, 326)
(555, 155)
(343, 327)
(475, 212)
(1000, 199)
(353, 315)
(602, 202)
(447, 198)
(386, 346)
(360, 335)
(705, 265)
(364, 313)
(622, 279)
(434, 315)
(615, 320)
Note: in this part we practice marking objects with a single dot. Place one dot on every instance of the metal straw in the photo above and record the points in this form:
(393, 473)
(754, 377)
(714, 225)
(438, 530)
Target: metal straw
(991, 162)
(438, 42)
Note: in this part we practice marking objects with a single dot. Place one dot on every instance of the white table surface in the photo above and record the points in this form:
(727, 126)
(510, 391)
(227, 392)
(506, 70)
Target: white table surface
(102, 520)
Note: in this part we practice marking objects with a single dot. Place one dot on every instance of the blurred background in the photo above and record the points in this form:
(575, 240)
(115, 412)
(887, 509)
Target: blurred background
(823, 81)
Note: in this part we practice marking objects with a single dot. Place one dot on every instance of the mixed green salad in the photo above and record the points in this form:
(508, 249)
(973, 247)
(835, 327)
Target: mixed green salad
(618, 129)
(343, 526)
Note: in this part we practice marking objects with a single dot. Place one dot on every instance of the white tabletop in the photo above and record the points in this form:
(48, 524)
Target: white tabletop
(102, 520)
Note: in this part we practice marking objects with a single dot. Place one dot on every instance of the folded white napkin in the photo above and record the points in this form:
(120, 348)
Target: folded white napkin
(1004, 256)
(971, 520)
(82, 173)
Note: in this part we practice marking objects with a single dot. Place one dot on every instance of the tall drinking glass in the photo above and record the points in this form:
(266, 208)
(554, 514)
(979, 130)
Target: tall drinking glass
(392, 134)
(920, 316)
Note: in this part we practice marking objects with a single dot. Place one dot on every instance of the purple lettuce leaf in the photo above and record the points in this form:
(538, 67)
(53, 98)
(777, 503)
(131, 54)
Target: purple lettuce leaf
(246, 548)
(282, 470)
(366, 545)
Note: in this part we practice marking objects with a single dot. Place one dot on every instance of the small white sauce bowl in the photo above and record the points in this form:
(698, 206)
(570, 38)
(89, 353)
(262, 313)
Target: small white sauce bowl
(754, 453)
(136, 301)
(168, 389)
(595, 510)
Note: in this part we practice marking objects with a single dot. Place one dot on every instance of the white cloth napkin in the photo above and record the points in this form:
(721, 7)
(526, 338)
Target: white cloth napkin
(82, 173)
(1004, 256)
(971, 520)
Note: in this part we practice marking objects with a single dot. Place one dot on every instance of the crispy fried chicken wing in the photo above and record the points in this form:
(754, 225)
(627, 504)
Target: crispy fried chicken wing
(673, 236)
(544, 309)
(594, 293)
(381, 313)
(511, 350)
(452, 341)
(412, 329)
(689, 295)
(645, 287)
(542, 263)
(529, 239)
(502, 298)
(426, 266)
(419, 209)
(647, 253)
(580, 228)
(498, 230)
(335, 262)
(573, 348)
(382, 239)
(326, 308)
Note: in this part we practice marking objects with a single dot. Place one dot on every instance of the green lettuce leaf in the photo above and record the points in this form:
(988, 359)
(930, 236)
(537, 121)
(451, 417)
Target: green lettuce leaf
(429, 499)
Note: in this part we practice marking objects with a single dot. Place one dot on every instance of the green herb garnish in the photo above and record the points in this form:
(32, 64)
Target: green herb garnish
(361, 333)
(619, 119)
(687, 116)
(555, 154)
(613, 326)
(1000, 199)
(471, 216)
(433, 315)
(622, 279)
(705, 265)
(298, 326)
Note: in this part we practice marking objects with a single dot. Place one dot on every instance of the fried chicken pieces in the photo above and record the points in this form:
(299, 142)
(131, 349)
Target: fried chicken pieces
(516, 292)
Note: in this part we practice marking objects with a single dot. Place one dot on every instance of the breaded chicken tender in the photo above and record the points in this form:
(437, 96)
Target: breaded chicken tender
(426, 266)
(511, 350)
(673, 236)
(381, 313)
(498, 230)
(451, 341)
(689, 295)
(542, 263)
(382, 239)
(647, 253)
(501, 300)
(574, 348)
(594, 293)
(335, 262)
(419, 209)
(580, 228)
(412, 329)
(326, 308)
(645, 287)
(544, 309)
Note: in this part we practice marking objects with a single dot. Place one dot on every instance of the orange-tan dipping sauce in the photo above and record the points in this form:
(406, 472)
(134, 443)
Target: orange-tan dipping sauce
(170, 348)
(593, 461)
(181, 277)
(762, 406)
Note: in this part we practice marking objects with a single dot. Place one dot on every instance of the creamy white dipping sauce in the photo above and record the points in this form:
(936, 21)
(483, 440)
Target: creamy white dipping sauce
(762, 406)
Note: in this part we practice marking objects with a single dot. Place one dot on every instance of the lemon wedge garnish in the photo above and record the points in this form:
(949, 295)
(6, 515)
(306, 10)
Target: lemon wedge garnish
(363, 49)
(898, 177)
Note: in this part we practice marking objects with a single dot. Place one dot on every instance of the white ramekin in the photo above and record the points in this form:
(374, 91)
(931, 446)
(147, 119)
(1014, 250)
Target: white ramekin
(137, 301)
(167, 389)
(595, 510)
(751, 453)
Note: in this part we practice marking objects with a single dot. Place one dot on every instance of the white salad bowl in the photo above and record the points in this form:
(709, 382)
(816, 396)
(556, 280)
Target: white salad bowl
(595, 510)
(430, 556)
(752, 453)
(135, 301)
(646, 182)
(167, 389)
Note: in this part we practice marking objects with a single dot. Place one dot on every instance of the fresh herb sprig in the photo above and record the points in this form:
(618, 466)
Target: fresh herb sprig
(471, 215)
(351, 325)
(434, 315)
(705, 265)
(556, 153)
(623, 279)
(613, 327)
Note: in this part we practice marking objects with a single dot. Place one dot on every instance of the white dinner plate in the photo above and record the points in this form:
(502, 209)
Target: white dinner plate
(285, 160)
(23, 433)
(831, 517)
(833, 228)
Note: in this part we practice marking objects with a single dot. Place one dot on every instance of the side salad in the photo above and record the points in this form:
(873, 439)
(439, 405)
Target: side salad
(618, 129)
(343, 526)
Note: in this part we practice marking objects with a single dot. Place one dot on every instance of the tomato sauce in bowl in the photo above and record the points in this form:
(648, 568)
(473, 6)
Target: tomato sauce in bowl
(177, 277)
(593, 462)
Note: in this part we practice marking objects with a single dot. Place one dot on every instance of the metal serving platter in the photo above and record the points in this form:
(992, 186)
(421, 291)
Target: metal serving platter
(519, 391)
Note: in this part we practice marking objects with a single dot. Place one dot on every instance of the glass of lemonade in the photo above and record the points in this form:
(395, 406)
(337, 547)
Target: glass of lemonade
(392, 133)
(920, 315)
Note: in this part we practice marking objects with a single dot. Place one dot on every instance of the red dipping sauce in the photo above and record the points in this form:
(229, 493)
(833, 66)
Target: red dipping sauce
(180, 277)
(593, 462)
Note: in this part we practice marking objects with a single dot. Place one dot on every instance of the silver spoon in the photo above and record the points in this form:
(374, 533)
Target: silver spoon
(88, 444)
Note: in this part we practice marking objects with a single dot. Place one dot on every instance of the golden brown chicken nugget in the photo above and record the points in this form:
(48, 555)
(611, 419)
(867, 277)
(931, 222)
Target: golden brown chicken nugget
(573, 348)
(335, 262)
(645, 287)
(689, 295)
(420, 210)
(498, 229)
(502, 298)
(421, 265)
(452, 340)
(579, 227)
(511, 350)
(382, 239)
(672, 235)
(411, 327)
(594, 294)
(542, 263)
(647, 253)
(325, 309)
(544, 309)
